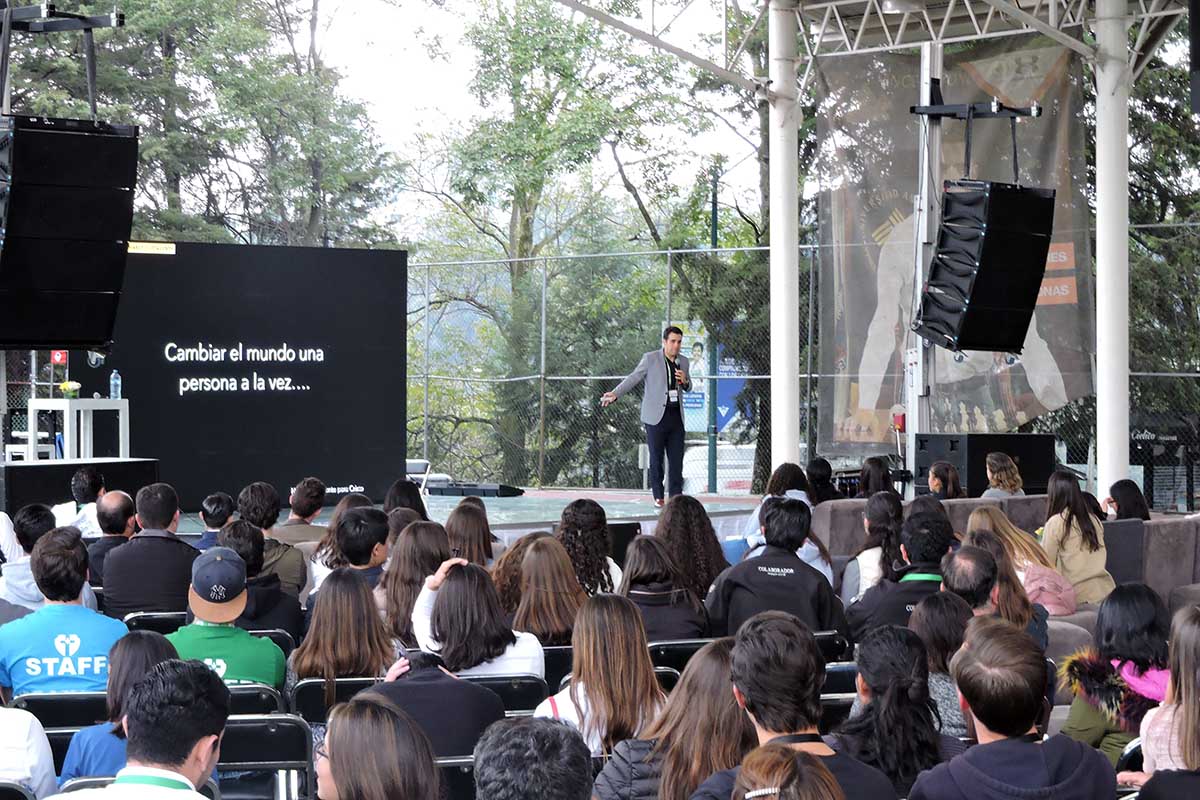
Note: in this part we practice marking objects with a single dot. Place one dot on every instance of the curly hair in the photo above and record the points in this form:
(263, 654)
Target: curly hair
(583, 531)
(686, 530)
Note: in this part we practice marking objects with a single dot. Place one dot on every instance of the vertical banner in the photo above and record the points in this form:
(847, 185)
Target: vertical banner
(867, 163)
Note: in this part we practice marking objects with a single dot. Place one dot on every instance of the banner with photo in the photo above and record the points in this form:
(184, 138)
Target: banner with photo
(867, 166)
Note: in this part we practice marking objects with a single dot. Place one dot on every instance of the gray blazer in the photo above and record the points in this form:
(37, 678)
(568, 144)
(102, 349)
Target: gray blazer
(654, 398)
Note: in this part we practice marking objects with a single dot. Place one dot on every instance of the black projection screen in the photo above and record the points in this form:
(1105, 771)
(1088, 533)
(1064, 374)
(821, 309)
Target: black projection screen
(246, 363)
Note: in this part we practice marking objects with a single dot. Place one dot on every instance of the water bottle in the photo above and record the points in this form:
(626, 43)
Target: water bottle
(114, 386)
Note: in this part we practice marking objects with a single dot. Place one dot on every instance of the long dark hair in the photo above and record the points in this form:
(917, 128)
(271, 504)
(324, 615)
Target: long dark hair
(1131, 503)
(875, 477)
(941, 622)
(378, 752)
(550, 595)
(419, 551)
(1133, 625)
(405, 494)
(129, 659)
(945, 472)
(787, 477)
(692, 545)
(1065, 495)
(885, 515)
(469, 532)
(897, 731)
(583, 530)
(647, 561)
(327, 551)
(820, 481)
(468, 621)
(506, 572)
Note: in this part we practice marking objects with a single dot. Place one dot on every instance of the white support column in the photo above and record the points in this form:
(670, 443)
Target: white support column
(1112, 242)
(784, 43)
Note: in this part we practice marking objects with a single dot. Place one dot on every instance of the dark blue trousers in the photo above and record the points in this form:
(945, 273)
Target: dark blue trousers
(666, 436)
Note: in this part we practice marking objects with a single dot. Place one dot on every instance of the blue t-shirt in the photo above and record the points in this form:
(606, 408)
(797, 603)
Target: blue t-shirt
(93, 753)
(58, 648)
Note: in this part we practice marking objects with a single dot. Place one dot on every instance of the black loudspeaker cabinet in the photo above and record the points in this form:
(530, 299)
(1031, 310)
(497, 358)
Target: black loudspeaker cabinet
(987, 269)
(1033, 454)
(49, 480)
(66, 213)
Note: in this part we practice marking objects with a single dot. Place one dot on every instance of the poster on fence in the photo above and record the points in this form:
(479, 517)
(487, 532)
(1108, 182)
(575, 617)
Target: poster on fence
(696, 344)
(867, 166)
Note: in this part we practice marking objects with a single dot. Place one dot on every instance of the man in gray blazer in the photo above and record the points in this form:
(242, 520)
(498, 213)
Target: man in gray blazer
(665, 372)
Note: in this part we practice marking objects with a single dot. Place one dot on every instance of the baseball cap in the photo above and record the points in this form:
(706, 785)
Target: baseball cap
(218, 590)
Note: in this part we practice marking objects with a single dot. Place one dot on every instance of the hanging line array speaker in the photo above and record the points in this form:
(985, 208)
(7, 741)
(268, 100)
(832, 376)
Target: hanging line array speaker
(66, 212)
(987, 269)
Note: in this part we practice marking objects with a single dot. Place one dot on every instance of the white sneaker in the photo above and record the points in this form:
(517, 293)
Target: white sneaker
(658, 502)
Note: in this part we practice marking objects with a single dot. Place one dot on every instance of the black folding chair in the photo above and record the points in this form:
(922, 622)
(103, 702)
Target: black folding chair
(832, 644)
(281, 743)
(458, 775)
(839, 678)
(675, 654)
(835, 709)
(282, 639)
(307, 698)
(668, 679)
(1130, 759)
(255, 698)
(62, 714)
(558, 664)
(15, 791)
(520, 694)
(164, 622)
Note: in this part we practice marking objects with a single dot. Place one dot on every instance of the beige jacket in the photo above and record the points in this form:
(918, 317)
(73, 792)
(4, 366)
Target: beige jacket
(1085, 569)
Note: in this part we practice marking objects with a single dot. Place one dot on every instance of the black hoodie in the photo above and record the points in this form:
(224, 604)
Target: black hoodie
(268, 607)
(1059, 768)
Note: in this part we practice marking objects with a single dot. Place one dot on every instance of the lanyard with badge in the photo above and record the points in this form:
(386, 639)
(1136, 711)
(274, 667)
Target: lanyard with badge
(673, 387)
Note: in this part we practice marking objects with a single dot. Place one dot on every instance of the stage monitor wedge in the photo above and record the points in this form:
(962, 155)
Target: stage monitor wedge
(988, 266)
(66, 214)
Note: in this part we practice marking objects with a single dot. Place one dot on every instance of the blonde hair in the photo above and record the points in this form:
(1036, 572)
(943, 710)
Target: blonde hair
(1184, 688)
(1022, 548)
(1004, 473)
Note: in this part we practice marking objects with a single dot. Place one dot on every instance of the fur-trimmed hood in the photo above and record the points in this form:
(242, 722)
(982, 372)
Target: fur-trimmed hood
(1098, 682)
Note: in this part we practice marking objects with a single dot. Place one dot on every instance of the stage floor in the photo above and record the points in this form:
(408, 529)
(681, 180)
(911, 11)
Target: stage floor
(540, 509)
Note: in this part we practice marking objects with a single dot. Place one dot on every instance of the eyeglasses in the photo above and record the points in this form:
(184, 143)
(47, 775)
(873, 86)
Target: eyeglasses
(320, 751)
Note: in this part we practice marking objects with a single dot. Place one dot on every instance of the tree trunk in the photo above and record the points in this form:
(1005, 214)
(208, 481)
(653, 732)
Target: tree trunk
(172, 175)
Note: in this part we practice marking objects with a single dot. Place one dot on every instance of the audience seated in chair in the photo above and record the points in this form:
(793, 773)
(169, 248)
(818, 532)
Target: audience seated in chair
(1125, 501)
(1124, 676)
(943, 480)
(25, 755)
(1170, 733)
(469, 533)
(305, 504)
(613, 694)
(215, 512)
(550, 594)
(583, 531)
(875, 476)
(217, 597)
(686, 530)
(896, 731)
(1034, 569)
(87, 487)
(777, 771)
(152, 571)
(404, 493)
(507, 573)
(788, 480)
(117, 519)
(99, 750)
(777, 580)
(268, 607)
(328, 556)
(528, 758)
(1074, 539)
(813, 552)
(940, 620)
(17, 583)
(777, 674)
(361, 535)
(259, 505)
(373, 750)
(63, 646)
(701, 730)
(876, 559)
(924, 540)
(983, 577)
(820, 482)
(1001, 677)
(651, 580)
(458, 616)
(174, 718)
(419, 550)
(452, 712)
(1003, 477)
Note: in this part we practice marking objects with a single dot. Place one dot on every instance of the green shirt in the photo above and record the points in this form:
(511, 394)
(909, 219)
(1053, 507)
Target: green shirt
(231, 652)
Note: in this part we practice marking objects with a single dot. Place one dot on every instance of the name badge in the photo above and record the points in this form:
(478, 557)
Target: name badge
(672, 395)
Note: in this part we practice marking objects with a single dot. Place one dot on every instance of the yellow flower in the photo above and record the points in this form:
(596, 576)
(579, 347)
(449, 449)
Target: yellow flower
(70, 386)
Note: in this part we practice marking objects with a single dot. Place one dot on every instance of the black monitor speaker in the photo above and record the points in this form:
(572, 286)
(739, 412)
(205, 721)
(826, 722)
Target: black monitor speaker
(66, 213)
(987, 269)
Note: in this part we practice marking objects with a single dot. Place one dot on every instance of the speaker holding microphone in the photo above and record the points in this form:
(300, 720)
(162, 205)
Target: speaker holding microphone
(988, 266)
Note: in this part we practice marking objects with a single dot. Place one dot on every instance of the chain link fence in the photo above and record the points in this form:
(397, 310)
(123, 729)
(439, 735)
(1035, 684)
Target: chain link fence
(26, 374)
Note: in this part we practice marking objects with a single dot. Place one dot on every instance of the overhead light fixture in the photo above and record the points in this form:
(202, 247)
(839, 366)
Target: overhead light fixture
(903, 6)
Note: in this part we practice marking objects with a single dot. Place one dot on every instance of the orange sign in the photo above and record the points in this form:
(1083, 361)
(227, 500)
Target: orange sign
(1061, 256)
(1058, 292)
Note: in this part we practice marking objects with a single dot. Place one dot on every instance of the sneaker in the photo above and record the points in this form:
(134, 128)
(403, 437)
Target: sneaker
(658, 502)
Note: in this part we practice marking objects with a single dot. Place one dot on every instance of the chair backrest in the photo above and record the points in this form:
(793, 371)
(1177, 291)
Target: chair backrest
(520, 694)
(14, 791)
(667, 679)
(839, 678)
(282, 639)
(1131, 757)
(675, 654)
(65, 709)
(1123, 547)
(832, 644)
(620, 534)
(835, 709)
(164, 622)
(99, 592)
(458, 777)
(267, 742)
(307, 698)
(255, 698)
(209, 789)
(558, 663)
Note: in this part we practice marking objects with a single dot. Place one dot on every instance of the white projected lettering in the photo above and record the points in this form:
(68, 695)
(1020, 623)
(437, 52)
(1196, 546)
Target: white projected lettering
(237, 353)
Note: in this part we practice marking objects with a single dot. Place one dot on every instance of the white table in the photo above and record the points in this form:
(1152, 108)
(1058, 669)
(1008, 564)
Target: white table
(77, 424)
